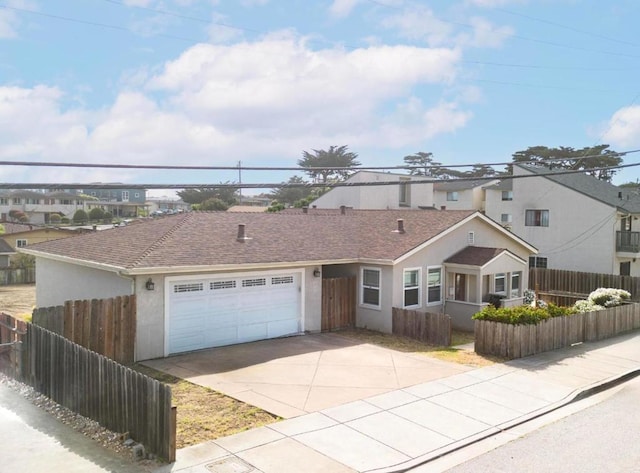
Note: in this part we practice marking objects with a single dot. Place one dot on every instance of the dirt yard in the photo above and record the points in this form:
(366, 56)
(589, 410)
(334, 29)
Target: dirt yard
(18, 300)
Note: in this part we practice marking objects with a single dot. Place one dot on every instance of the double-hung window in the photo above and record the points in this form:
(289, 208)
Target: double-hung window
(507, 195)
(452, 196)
(537, 261)
(499, 286)
(370, 291)
(515, 284)
(536, 218)
(411, 287)
(434, 285)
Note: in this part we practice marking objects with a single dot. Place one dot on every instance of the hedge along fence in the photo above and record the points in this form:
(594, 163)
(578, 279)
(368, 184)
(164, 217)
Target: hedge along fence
(516, 341)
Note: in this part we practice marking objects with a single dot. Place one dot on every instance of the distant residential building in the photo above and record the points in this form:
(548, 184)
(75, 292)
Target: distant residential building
(120, 202)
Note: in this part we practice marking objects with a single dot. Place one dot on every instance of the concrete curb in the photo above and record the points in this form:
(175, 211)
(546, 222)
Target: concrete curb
(575, 396)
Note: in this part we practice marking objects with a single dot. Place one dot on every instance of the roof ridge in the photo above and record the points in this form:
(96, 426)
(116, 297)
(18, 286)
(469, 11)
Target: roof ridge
(164, 237)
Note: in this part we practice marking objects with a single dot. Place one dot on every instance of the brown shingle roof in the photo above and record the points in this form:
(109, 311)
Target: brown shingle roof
(210, 238)
(475, 255)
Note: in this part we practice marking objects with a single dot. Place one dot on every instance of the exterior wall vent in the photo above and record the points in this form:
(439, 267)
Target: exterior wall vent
(242, 234)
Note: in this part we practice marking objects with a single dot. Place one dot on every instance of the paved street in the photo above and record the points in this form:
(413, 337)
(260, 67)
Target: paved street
(31, 440)
(602, 438)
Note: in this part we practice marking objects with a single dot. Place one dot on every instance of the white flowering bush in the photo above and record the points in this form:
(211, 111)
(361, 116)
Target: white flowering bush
(602, 298)
(609, 297)
(529, 296)
(584, 306)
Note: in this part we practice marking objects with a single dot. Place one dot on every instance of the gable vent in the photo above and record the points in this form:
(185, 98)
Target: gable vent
(471, 238)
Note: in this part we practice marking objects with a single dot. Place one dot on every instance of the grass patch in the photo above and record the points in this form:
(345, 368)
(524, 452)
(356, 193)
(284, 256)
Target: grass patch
(408, 345)
(205, 414)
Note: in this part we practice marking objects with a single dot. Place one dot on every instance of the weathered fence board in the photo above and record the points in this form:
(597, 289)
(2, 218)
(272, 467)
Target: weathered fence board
(120, 399)
(516, 341)
(106, 326)
(434, 329)
(338, 303)
(17, 276)
(574, 284)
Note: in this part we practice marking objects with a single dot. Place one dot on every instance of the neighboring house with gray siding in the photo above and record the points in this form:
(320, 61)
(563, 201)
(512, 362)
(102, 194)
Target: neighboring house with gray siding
(205, 279)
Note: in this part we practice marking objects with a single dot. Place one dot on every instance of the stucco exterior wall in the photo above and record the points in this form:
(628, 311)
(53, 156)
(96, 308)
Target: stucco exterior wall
(151, 308)
(372, 318)
(376, 197)
(581, 231)
(72, 282)
(466, 200)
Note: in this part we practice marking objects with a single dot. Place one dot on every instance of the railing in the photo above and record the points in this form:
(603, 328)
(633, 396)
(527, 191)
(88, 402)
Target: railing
(628, 242)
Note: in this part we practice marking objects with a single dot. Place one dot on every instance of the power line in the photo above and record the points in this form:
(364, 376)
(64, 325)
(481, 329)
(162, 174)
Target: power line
(295, 168)
(265, 185)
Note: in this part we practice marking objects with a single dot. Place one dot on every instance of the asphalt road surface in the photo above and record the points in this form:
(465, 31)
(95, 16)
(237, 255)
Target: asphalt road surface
(604, 438)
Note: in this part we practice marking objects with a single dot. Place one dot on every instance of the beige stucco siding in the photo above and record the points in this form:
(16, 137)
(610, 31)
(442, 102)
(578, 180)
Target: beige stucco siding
(66, 282)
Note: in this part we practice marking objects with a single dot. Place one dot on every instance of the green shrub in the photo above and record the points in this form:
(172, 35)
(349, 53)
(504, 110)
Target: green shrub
(523, 314)
(65, 220)
(80, 216)
(55, 218)
(96, 214)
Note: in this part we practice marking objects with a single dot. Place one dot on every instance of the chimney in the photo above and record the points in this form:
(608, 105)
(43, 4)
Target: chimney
(343, 209)
(305, 210)
(242, 237)
(400, 228)
(443, 207)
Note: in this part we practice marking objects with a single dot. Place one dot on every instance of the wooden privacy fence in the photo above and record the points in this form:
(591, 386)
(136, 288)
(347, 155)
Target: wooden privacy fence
(17, 276)
(11, 332)
(338, 303)
(574, 282)
(434, 329)
(106, 326)
(516, 341)
(96, 387)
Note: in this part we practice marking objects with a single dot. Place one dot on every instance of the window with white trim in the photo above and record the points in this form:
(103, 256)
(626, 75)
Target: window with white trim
(125, 196)
(434, 285)
(507, 195)
(411, 287)
(189, 287)
(404, 188)
(452, 196)
(499, 283)
(536, 218)
(21, 243)
(515, 284)
(537, 261)
(506, 218)
(370, 287)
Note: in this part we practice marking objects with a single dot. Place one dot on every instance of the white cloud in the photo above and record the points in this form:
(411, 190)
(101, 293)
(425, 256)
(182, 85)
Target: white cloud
(624, 127)
(494, 3)
(420, 23)
(259, 102)
(342, 8)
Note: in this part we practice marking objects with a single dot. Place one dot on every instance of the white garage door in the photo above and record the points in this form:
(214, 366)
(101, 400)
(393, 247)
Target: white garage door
(213, 312)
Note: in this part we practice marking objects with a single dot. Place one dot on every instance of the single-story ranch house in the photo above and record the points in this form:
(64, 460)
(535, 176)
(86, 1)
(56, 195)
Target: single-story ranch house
(206, 279)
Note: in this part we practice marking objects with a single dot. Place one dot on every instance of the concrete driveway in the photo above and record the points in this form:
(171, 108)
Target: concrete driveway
(298, 375)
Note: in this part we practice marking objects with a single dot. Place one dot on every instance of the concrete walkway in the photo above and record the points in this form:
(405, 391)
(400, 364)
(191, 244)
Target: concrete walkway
(407, 427)
(293, 376)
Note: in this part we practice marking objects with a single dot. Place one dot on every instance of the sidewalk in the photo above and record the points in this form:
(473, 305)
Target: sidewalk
(401, 429)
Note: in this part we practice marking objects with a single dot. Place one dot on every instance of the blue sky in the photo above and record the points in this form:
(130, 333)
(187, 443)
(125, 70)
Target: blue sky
(216, 82)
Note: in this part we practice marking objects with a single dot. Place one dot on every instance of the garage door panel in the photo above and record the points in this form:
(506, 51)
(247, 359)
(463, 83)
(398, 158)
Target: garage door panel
(224, 311)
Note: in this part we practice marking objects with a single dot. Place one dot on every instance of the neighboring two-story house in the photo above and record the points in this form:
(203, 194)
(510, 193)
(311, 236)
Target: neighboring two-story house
(576, 222)
(399, 195)
(461, 194)
(38, 206)
(120, 202)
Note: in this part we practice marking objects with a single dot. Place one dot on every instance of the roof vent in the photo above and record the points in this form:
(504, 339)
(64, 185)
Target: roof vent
(305, 210)
(400, 228)
(443, 207)
(242, 236)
